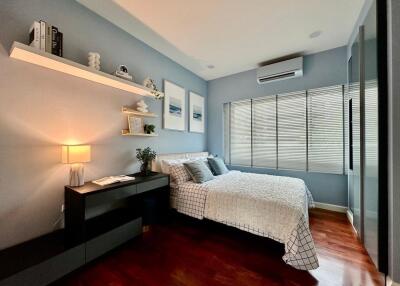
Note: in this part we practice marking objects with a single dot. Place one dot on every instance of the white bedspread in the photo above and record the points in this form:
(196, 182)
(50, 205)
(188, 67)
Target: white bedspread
(269, 206)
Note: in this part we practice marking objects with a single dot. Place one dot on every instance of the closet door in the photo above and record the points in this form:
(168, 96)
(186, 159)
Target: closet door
(370, 90)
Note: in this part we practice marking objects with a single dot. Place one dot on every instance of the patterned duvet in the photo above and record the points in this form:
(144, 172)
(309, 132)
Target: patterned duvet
(271, 206)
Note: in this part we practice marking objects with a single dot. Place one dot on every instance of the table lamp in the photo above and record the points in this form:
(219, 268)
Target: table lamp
(76, 155)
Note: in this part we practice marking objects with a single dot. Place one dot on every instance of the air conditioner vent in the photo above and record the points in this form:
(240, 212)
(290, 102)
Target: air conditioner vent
(279, 71)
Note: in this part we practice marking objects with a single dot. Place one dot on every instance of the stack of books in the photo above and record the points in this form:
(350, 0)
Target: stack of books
(47, 38)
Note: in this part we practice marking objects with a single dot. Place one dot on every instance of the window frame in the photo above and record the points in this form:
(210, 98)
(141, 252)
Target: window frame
(227, 107)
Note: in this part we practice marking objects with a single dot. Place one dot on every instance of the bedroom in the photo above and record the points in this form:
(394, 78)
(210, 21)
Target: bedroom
(273, 126)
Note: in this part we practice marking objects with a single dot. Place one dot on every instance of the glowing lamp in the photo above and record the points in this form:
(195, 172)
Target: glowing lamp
(76, 155)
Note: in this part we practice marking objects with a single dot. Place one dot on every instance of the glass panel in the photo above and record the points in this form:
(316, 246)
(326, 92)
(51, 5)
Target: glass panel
(354, 174)
(371, 136)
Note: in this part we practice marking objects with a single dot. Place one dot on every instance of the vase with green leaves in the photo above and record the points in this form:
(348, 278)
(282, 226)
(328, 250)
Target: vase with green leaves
(145, 156)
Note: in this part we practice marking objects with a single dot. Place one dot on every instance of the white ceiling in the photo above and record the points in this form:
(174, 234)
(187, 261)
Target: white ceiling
(232, 35)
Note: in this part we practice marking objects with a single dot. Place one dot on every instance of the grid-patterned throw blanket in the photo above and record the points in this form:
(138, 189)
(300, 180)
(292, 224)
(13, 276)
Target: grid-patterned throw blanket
(269, 206)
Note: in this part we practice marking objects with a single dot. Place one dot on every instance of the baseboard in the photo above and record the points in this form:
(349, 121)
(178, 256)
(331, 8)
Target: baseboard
(390, 282)
(330, 207)
(350, 216)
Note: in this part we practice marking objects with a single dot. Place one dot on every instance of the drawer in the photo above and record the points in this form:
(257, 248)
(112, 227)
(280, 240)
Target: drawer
(106, 242)
(49, 270)
(151, 185)
(109, 196)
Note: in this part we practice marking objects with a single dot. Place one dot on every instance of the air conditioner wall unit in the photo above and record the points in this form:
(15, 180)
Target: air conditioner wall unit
(279, 71)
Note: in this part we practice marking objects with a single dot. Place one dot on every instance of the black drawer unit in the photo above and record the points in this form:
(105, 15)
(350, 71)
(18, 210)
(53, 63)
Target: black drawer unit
(121, 219)
(119, 212)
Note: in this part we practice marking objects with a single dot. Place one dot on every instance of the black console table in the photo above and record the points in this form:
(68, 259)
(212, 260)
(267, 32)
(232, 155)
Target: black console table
(105, 217)
(97, 219)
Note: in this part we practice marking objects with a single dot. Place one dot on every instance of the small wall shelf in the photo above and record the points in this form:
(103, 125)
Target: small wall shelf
(125, 132)
(34, 56)
(131, 111)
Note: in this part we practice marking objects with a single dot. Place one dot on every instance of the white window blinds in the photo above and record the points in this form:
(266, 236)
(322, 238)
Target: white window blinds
(227, 136)
(240, 132)
(292, 134)
(325, 130)
(295, 131)
(371, 124)
(264, 132)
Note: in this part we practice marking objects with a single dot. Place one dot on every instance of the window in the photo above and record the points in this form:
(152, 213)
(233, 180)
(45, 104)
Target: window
(297, 131)
(325, 130)
(264, 132)
(292, 131)
(240, 133)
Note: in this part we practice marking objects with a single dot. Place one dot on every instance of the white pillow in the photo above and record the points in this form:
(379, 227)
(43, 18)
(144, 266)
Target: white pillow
(165, 164)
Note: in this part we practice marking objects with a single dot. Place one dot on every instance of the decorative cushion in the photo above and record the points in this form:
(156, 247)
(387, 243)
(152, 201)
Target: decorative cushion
(179, 174)
(166, 164)
(199, 171)
(218, 166)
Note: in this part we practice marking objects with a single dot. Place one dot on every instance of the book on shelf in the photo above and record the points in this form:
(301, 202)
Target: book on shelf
(42, 35)
(54, 42)
(60, 42)
(34, 35)
(46, 37)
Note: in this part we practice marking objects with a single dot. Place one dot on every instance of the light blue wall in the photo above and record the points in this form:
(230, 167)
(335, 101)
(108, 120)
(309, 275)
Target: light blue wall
(85, 31)
(322, 69)
(41, 109)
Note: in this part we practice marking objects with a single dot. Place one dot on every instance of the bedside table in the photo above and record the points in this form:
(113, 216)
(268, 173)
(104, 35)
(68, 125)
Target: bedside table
(104, 217)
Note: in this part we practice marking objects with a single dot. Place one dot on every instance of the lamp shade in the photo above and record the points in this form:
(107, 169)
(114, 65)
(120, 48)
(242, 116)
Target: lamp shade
(75, 154)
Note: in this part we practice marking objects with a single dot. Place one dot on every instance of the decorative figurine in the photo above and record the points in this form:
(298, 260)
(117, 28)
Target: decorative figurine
(149, 83)
(94, 60)
(142, 106)
(122, 72)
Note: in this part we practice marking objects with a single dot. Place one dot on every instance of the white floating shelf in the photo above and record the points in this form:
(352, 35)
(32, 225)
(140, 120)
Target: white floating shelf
(131, 111)
(125, 132)
(35, 56)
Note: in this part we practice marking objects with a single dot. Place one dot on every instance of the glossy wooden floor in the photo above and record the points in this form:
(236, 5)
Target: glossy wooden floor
(191, 252)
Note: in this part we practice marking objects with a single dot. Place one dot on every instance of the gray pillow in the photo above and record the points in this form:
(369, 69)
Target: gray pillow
(218, 166)
(199, 171)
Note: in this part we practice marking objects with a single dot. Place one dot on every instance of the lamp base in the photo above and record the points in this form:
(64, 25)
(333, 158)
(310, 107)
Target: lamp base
(76, 175)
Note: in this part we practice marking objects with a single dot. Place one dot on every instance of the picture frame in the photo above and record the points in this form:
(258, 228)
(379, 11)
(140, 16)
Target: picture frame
(174, 107)
(196, 113)
(136, 124)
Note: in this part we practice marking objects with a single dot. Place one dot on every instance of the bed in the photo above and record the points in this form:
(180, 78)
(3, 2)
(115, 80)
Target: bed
(270, 206)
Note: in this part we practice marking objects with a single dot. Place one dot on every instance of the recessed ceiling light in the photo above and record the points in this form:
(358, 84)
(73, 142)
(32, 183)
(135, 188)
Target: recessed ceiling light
(315, 34)
(211, 66)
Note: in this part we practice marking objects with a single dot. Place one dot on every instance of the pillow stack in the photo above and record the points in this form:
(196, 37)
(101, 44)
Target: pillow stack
(199, 170)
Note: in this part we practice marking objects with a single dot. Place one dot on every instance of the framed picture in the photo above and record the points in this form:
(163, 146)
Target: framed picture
(174, 106)
(196, 113)
(135, 124)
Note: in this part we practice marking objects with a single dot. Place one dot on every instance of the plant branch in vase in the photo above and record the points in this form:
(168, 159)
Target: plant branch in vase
(145, 156)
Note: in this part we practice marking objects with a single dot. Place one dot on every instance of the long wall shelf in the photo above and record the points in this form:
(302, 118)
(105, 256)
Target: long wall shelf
(125, 132)
(34, 56)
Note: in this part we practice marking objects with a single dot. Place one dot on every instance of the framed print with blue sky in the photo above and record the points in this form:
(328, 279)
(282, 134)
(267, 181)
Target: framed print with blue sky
(196, 113)
(174, 106)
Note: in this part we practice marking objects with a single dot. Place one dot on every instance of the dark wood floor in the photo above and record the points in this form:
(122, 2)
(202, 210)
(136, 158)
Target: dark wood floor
(191, 252)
